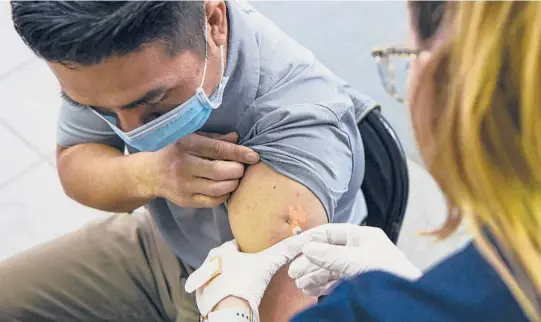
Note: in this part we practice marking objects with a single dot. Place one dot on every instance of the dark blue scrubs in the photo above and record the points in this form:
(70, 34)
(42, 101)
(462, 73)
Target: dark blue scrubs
(462, 288)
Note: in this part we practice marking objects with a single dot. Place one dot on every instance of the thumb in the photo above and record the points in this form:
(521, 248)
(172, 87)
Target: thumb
(289, 247)
(330, 257)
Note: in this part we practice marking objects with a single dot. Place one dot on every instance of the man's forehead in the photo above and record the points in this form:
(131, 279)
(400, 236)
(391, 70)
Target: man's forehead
(120, 81)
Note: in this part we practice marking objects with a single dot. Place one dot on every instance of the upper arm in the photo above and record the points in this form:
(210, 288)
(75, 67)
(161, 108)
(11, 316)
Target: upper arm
(307, 163)
(259, 209)
(310, 149)
(78, 125)
(259, 218)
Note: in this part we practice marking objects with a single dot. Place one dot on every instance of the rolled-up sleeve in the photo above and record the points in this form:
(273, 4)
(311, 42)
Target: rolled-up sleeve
(308, 143)
(78, 125)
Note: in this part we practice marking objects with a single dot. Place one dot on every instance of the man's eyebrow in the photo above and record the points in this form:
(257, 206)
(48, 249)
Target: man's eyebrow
(148, 97)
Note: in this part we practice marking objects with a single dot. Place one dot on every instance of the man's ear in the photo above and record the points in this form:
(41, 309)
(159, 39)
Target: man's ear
(216, 12)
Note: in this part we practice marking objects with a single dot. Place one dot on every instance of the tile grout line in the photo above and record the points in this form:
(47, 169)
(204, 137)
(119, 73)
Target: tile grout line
(20, 174)
(18, 67)
(27, 143)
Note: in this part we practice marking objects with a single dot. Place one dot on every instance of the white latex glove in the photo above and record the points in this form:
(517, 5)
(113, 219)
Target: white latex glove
(228, 272)
(340, 251)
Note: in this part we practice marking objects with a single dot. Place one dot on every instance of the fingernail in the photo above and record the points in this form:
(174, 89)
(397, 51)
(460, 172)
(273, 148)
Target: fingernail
(252, 157)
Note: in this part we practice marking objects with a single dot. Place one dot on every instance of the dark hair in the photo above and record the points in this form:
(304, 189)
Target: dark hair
(87, 32)
(427, 16)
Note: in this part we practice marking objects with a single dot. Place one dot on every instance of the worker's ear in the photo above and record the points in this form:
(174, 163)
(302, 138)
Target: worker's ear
(216, 12)
(416, 65)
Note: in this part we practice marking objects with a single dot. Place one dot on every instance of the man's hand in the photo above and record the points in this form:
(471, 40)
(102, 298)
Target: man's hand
(196, 171)
(199, 170)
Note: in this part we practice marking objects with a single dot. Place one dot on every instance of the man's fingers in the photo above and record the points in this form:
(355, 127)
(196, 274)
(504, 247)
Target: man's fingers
(231, 137)
(209, 134)
(213, 188)
(215, 169)
(219, 150)
(204, 201)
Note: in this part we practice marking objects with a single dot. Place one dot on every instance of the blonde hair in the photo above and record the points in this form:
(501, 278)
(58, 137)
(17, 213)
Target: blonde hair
(479, 130)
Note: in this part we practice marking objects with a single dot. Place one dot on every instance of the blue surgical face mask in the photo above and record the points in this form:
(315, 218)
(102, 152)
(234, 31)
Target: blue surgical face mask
(183, 120)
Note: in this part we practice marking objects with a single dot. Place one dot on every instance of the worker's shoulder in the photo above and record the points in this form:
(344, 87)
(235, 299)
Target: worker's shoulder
(467, 281)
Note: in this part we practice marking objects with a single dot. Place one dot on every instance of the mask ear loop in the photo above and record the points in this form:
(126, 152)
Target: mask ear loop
(222, 61)
(206, 54)
(222, 57)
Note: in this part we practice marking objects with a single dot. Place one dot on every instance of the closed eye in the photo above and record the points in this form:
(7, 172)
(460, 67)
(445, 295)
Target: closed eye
(151, 98)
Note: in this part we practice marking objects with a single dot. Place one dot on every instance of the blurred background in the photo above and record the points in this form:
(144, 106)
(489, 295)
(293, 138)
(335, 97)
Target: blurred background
(33, 207)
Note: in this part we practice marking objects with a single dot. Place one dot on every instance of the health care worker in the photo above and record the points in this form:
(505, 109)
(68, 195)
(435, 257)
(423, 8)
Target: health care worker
(478, 123)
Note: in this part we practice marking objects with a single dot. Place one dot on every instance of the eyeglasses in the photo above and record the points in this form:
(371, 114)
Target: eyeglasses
(393, 64)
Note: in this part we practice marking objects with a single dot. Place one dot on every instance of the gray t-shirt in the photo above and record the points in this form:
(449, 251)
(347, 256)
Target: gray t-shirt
(285, 105)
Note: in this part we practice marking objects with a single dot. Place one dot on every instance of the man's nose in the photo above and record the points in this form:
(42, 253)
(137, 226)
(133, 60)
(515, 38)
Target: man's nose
(129, 121)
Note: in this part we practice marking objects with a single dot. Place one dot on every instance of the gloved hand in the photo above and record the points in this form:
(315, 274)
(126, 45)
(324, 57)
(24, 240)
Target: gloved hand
(228, 272)
(339, 251)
